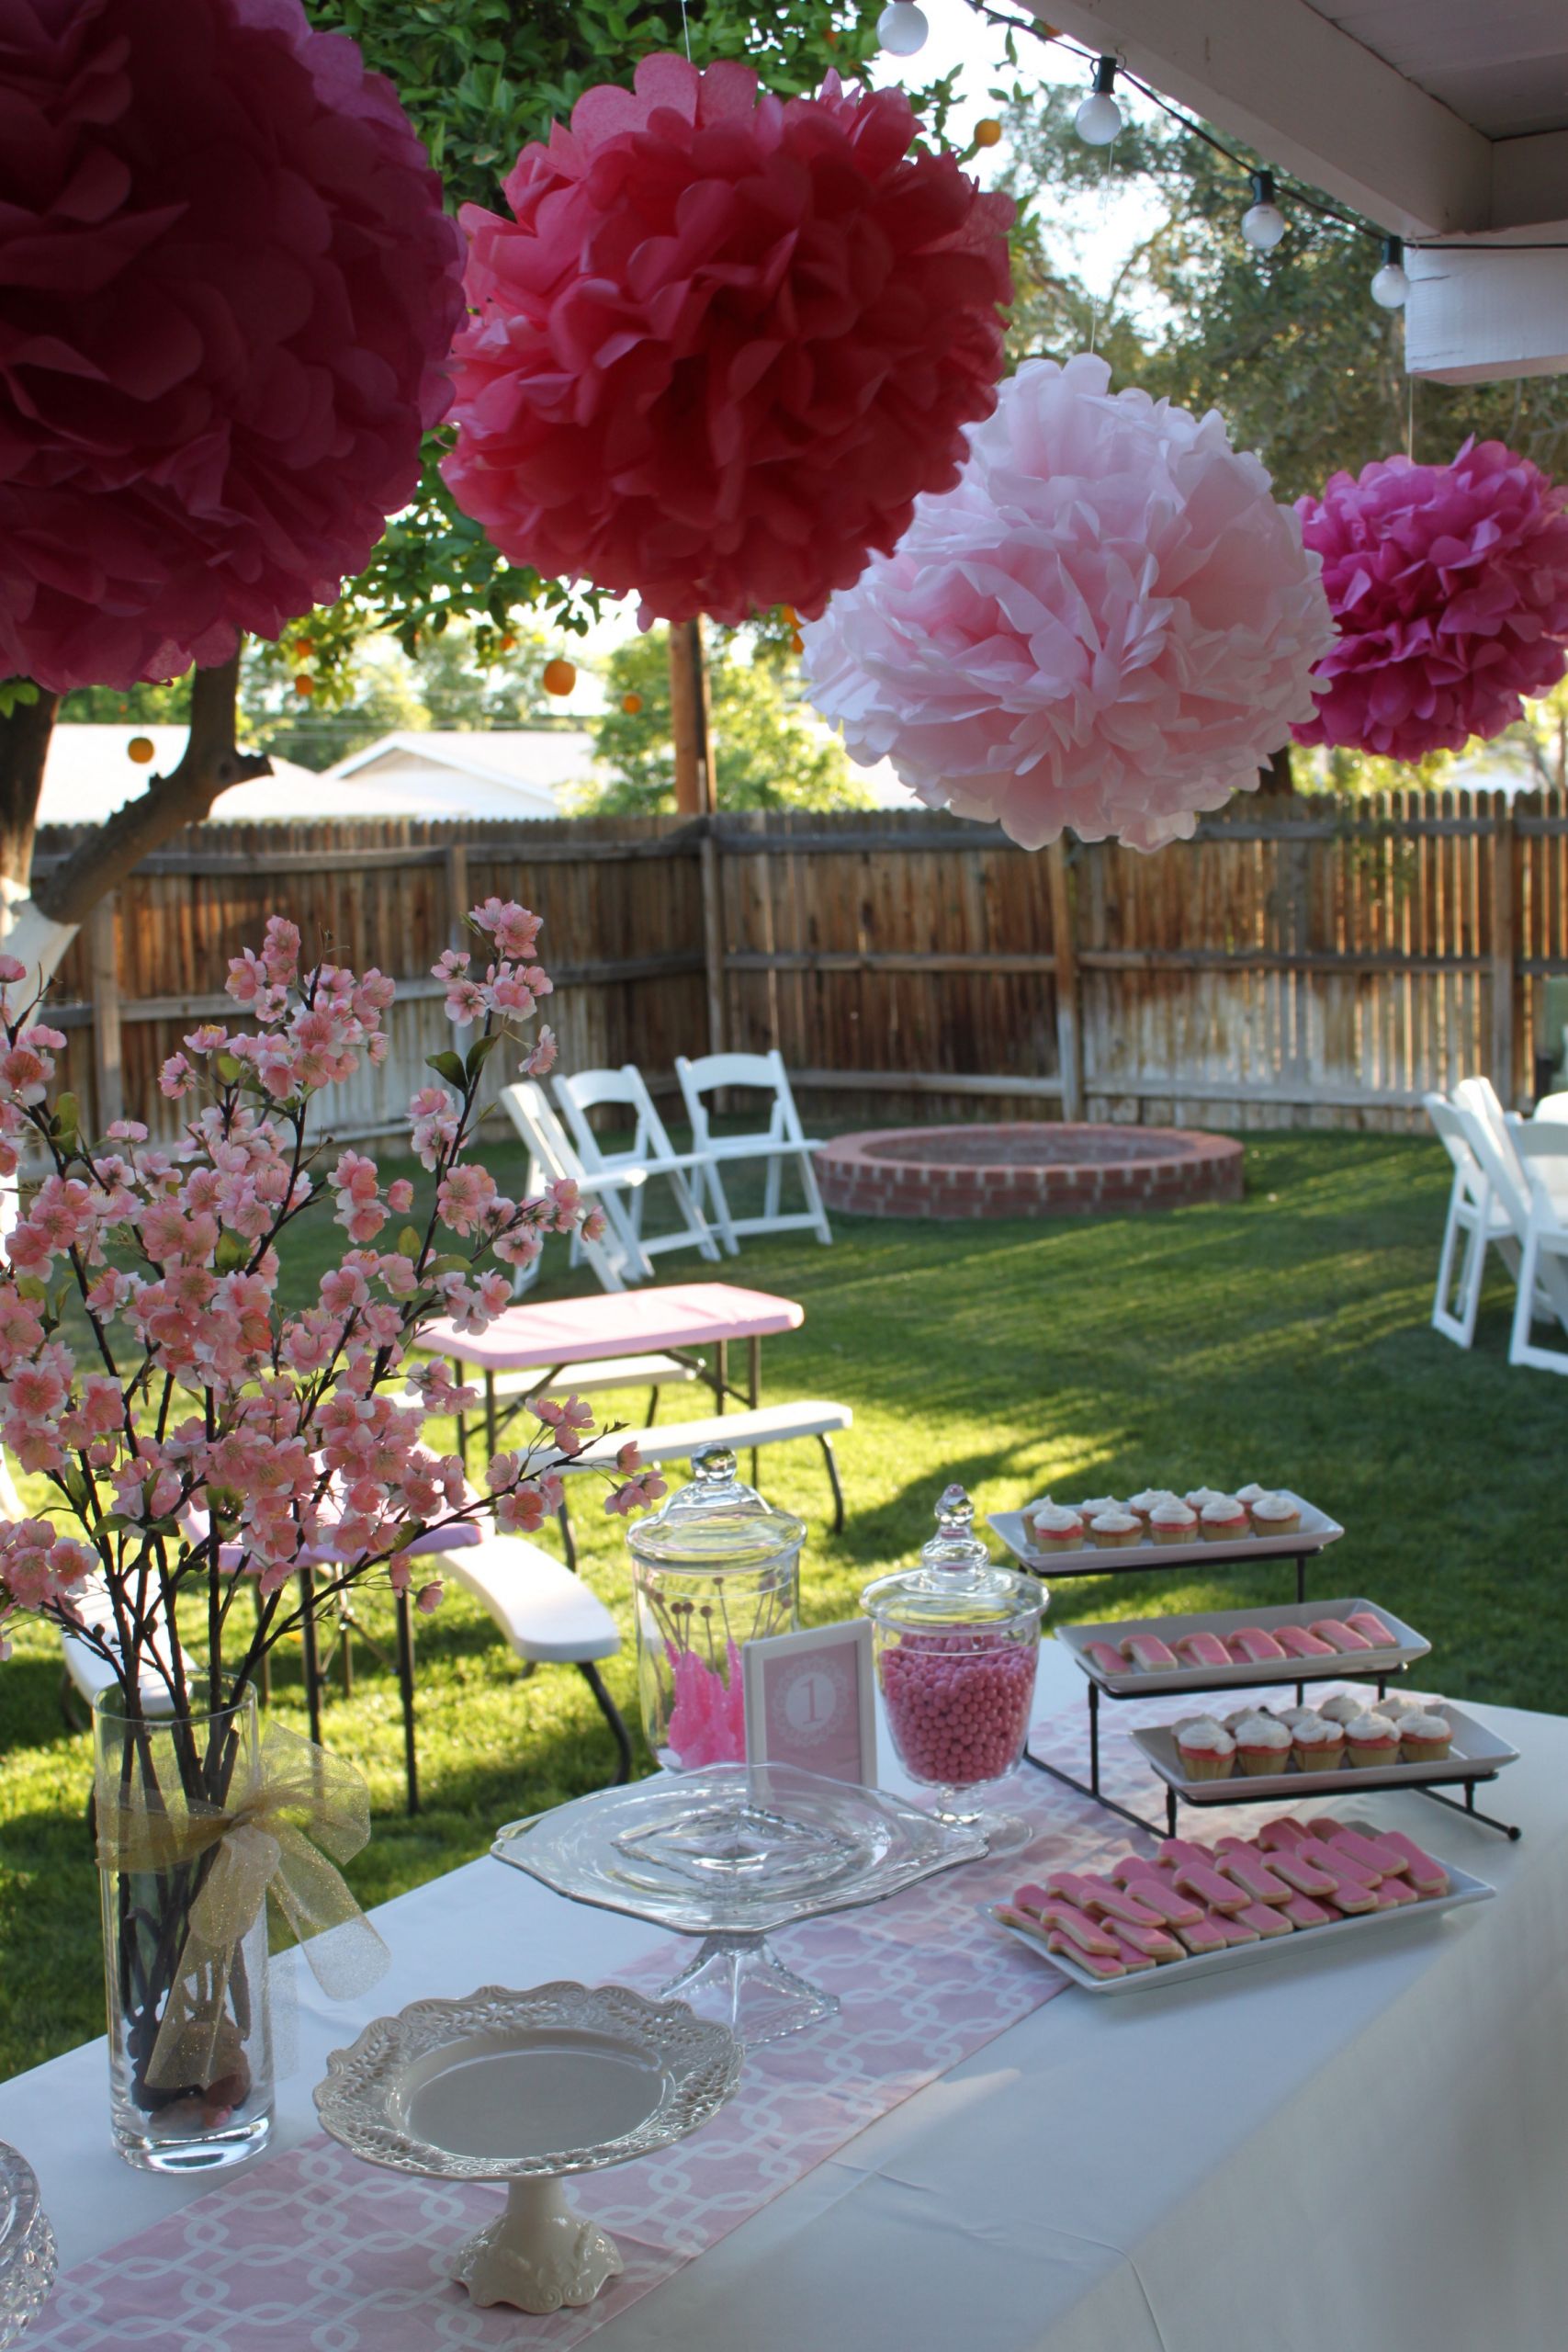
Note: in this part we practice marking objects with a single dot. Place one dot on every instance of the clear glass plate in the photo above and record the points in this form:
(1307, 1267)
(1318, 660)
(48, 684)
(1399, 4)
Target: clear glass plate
(26, 2246)
(733, 1850)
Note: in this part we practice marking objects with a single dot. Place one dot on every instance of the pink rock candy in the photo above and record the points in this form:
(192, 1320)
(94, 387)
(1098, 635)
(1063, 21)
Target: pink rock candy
(958, 1704)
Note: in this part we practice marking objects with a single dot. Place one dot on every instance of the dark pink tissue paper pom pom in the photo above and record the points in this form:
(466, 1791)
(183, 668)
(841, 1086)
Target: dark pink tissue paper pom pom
(1450, 588)
(725, 341)
(226, 290)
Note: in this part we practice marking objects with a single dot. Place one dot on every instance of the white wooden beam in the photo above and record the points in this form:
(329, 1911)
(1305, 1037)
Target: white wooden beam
(1311, 100)
(1487, 315)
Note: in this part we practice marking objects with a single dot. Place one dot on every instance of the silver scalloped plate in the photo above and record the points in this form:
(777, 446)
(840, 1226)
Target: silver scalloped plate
(732, 1850)
(505, 2086)
(28, 2259)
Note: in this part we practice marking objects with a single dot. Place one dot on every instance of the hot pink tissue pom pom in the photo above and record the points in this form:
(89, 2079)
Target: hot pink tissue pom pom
(1450, 584)
(226, 290)
(1108, 623)
(725, 340)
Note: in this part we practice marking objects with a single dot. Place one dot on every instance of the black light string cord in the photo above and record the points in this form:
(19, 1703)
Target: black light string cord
(1298, 195)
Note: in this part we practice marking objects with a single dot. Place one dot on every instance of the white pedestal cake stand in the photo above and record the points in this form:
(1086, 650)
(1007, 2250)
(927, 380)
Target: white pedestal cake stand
(526, 2088)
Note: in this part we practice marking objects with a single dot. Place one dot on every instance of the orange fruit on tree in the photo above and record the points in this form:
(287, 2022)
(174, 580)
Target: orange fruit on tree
(797, 643)
(507, 642)
(631, 705)
(304, 647)
(988, 131)
(560, 676)
(140, 748)
(304, 685)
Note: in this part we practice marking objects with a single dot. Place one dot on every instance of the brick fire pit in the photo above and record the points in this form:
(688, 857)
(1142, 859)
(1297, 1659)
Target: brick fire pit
(1034, 1169)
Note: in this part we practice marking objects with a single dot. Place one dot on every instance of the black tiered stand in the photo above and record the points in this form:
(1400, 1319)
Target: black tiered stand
(1367, 1778)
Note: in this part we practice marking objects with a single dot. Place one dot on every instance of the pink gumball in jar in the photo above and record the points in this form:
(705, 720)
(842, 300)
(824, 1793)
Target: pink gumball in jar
(957, 1645)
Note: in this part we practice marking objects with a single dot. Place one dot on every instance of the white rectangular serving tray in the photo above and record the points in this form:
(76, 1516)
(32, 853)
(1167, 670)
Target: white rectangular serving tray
(1462, 1889)
(1315, 1530)
(1357, 1667)
(1476, 1755)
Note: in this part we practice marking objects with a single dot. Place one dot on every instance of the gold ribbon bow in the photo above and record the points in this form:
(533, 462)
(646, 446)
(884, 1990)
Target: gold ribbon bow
(301, 1814)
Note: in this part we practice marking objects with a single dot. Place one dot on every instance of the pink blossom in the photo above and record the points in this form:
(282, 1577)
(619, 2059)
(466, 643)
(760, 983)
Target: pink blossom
(211, 1038)
(399, 1196)
(521, 1510)
(514, 929)
(465, 1002)
(26, 1073)
(11, 970)
(463, 1196)
(428, 1599)
(175, 1078)
(541, 1058)
(635, 1494)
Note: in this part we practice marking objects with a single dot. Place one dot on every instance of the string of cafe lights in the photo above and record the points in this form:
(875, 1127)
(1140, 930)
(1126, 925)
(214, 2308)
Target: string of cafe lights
(903, 27)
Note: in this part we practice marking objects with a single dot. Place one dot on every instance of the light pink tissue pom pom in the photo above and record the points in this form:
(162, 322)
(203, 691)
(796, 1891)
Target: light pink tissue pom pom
(1109, 623)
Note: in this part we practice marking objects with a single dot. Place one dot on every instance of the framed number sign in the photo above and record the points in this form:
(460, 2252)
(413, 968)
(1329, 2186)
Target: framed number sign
(810, 1702)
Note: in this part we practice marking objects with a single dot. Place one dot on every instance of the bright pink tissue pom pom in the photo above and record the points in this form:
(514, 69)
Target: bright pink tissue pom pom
(226, 290)
(1107, 624)
(1450, 584)
(726, 341)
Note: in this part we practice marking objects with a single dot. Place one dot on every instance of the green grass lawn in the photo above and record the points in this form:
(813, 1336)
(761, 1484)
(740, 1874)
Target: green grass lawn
(1285, 1339)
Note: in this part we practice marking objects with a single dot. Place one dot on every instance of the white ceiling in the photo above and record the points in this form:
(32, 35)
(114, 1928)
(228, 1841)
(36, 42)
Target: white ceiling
(1501, 65)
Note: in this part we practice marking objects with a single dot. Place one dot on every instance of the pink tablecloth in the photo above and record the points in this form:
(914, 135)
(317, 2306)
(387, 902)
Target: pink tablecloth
(617, 1323)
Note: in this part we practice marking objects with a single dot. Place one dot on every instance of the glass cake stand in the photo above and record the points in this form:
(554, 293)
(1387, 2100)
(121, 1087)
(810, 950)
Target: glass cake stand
(731, 1853)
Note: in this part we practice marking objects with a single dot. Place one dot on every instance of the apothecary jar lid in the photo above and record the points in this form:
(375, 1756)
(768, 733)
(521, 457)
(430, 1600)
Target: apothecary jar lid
(716, 1524)
(954, 1583)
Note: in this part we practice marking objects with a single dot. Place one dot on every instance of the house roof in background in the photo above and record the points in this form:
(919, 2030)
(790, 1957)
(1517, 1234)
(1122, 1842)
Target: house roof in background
(89, 774)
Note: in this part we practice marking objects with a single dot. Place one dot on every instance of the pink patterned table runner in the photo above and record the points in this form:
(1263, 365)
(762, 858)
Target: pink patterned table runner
(313, 2251)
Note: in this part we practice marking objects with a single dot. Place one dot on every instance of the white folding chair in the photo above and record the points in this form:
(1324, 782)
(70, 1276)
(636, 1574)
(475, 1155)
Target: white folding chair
(780, 1141)
(1542, 1147)
(1475, 1213)
(616, 1258)
(651, 1154)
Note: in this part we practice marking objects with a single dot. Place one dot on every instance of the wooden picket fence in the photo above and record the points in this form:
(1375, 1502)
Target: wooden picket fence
(1302, 960)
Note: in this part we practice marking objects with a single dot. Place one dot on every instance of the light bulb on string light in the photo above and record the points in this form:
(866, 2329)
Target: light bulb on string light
(1263, 224)
(902, 29)
(1390, 287)
(1099, 118)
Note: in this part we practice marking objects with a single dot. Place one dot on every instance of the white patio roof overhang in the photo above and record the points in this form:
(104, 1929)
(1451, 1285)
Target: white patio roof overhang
(1443, 121)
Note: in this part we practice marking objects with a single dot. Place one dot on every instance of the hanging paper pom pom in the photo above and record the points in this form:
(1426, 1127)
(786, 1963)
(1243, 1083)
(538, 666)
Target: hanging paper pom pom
(1450, 584)
(1108, 624)
(226, 289)
(725, 341)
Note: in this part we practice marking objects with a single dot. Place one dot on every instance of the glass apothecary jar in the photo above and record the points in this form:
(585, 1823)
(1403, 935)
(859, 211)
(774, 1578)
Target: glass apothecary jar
(957, 1647)
(716, 1567)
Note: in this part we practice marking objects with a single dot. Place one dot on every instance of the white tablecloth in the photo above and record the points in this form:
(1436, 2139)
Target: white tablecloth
(1366, 2150)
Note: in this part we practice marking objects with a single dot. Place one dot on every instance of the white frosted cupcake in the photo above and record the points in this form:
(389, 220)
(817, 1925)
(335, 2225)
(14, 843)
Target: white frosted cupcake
(1344, 1707)
(1093, 1505)
(1317, 1745)
(1262, 1744)
(1142, 1504)
(1206, 1749)
(1223, 1521)
(1250, 1494)
(1173, 1521)
(1371, 1739)
(1424, 1738)
(1272, 1514)
(1196, 1497)
(1112, 1530)
(1054, 1528)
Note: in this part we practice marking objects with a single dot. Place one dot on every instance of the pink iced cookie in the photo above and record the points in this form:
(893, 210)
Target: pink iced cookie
(1131, 1958)
(1093, 1963)
(1281, 1832)
(1340, 1636)
(1142, 1879)
(1217, 1893)
(1371, 1629)
(1428, 1877)
(1203, 1649)
(1264, 1919)
(1154, 1943)
(1108, 1660)
(1253, 1647)
(1030, 1897)
(1351, 1846)
(1392, 1891)
(1093, 1894)
(1288, 1864)
(1303, 1912)
(1087, 1933)
(1146, 1650)
(1351, 1894)
(1297, 1641)
(1234, 1930)
(1246, 1866)
(1182, 1849)
(1324, 1851)
(1203, 1934)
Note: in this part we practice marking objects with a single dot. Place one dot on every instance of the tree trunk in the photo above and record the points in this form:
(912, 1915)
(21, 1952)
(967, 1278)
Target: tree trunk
(689, 720)
(1277, 781)
(38, 925)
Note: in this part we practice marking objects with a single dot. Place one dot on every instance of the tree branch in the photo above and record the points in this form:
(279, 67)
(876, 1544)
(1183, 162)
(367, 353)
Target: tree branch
(24, 746)
(183, 797)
